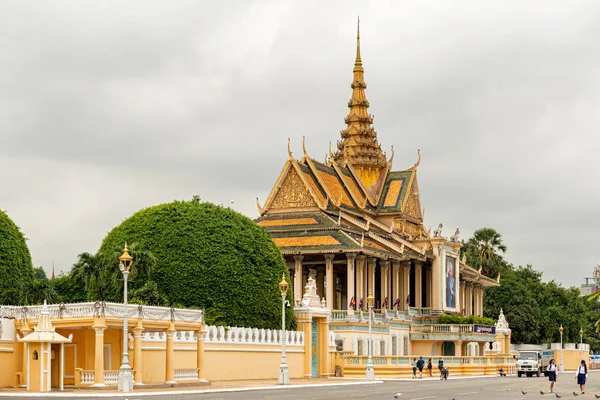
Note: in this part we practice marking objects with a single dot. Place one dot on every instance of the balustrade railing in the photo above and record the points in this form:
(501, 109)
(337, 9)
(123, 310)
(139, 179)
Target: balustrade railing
(111, 377)
(89, 309)
(186, 375)
(406, 360)
(442, 328)
(222, 334)
(87, 377)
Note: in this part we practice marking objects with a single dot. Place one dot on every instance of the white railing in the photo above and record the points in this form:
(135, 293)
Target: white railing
(79, 310)
(222, 334)
(186, 375)
(88, 377)
(442, 328)
(339, 315)
(111, 377)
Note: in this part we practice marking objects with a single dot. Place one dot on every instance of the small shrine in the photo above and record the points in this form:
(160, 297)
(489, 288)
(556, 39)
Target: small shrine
(39, 354)
(312, 317)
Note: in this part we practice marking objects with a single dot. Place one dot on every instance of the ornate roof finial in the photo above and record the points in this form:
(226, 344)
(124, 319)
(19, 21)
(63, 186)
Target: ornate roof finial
(418, 159)
(360, 136)
(358, 60)
(290, 151)
(304, 146)
(258, 206)
(391, 158)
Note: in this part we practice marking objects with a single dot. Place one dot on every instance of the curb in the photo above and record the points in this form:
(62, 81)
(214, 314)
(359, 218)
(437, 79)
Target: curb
(179, 392)
(435, 379)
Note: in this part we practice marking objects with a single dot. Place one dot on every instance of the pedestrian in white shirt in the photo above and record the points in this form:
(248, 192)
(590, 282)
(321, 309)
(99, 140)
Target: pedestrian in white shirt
(581, 376)
(552, 370)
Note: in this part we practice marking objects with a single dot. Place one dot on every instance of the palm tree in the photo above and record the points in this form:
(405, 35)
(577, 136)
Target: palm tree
(483, 250)
(93, 272)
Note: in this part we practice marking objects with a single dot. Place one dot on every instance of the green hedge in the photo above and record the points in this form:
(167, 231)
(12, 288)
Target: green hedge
(16, 268)
(460, 319)
(210, 257)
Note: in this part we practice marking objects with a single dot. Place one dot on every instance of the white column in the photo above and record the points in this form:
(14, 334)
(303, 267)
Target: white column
(385, 273)
(371, 279)
(61, 376)
(350, 281)
(298, 284)
(329, 280)
(360, 276)
(418, 285)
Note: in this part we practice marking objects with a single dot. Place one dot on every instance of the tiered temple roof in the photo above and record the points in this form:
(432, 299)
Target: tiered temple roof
(352, 202)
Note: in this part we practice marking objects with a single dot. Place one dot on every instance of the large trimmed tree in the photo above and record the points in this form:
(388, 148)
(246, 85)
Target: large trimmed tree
(210, 257)
(16, 268)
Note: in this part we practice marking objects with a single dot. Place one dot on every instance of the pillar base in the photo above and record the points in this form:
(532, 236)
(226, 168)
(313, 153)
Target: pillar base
(170, 383)
(370, 373)
(284, 375)
(125, 379)
(99, 385)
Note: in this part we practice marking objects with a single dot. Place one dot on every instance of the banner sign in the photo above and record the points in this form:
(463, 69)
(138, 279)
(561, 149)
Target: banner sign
(484, 329)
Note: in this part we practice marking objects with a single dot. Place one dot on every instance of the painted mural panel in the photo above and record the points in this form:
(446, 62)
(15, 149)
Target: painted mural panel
(450, 283)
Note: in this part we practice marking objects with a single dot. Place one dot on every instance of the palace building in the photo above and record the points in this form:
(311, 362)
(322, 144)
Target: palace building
(356, 225)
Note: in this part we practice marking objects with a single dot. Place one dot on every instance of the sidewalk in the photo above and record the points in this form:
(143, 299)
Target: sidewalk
(215, 387)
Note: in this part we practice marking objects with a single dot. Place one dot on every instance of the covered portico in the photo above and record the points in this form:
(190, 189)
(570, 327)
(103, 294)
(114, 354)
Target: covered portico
(93, 356)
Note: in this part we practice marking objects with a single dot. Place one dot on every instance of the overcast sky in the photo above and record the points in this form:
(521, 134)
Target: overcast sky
(107, 107)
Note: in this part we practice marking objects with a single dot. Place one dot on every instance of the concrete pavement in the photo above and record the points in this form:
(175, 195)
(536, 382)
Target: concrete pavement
(488, 388)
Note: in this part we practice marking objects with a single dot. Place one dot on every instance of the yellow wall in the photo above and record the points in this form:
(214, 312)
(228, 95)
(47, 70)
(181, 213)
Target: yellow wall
(572, 358)
(9, 363)
(230, 362)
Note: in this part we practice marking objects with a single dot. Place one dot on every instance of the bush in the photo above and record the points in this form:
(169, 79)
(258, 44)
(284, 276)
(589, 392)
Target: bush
(463, 320)
(209, 257)
(16, 268)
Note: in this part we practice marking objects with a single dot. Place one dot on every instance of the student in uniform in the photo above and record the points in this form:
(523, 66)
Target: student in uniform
(581, 376)
(552, 370)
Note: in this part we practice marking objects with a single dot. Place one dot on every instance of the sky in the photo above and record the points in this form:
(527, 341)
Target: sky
(107, 107)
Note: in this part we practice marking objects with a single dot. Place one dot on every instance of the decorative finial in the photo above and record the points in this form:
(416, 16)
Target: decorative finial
(258, 206)
(358, 41)
(418, 159)
(391, 157)
(304, 146)
(290, 150)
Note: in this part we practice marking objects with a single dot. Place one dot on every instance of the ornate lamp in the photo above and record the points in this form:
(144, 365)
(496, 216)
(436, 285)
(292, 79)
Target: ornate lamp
(284, 375)
(561, 330)
(125, 260)
(125, 383)
(283, 285)
(370, 300)
(370, 372)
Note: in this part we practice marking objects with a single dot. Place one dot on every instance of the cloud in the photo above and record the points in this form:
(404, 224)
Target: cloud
(110, 107)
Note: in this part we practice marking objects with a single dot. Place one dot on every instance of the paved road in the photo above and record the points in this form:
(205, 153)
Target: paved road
(469, 389)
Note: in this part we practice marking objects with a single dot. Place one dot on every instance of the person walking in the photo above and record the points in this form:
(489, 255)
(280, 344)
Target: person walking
(552, 370)
(420, 365)
(414, 367)
(429, 367)
(581, 376)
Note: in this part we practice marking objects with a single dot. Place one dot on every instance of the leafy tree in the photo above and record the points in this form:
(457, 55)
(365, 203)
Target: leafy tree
(149, 294)
(39, 274)
(68, 289)
(483, 251)
(93, 272)
(16, 269)
(209, 257)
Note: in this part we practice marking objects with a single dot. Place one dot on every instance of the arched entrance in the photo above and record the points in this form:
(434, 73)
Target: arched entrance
(448, 349)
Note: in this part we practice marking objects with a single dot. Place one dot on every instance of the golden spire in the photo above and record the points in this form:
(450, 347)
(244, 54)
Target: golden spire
(359, 145)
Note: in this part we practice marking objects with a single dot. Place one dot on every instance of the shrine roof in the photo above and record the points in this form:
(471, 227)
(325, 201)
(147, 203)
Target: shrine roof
(295, 221)
(394, 191)
(314, 242)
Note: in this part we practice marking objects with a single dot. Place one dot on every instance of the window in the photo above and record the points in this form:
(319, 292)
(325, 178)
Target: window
(360, 347)
(382, 348)
(394, 345)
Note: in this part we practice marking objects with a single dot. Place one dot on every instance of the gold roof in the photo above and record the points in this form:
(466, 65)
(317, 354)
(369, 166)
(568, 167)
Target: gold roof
(359, 146)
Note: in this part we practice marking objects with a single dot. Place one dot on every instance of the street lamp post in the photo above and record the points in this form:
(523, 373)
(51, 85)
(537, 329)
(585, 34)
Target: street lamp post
(370, 373)
(125, 375)
(284, 374)
(561, 330)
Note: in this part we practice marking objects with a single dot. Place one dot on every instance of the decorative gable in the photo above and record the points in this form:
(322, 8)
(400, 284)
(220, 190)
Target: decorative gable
(293, 193)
